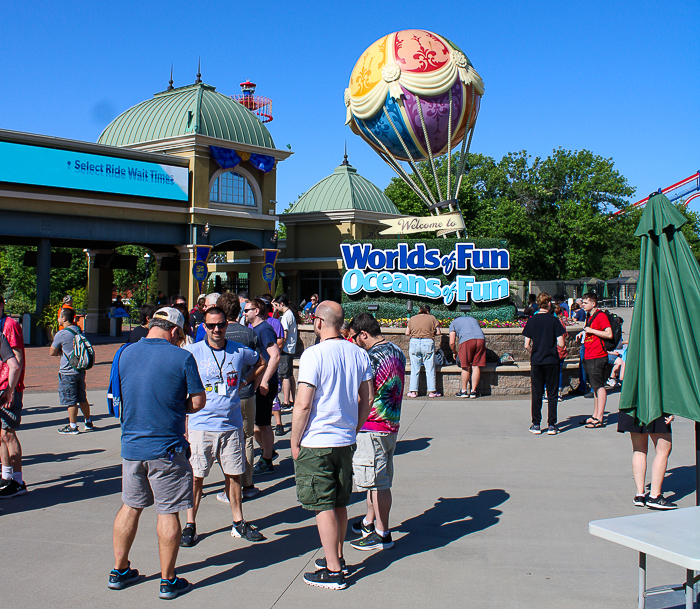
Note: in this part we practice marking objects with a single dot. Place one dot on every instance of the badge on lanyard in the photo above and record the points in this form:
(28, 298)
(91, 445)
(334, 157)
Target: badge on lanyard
(232, 378)
(221, 388)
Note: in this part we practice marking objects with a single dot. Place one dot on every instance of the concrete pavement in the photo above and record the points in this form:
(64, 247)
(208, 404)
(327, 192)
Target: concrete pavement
(485, 515)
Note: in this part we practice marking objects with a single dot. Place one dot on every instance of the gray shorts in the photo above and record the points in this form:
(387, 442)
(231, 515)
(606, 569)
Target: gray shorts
(286, 365)
(71, 389)
(166, 483)
(226, 447)
(11, 416)
(373, 462)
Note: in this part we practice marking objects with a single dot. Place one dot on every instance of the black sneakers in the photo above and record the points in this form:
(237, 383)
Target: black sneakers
(373, 541)
(280, 430)
(189, 536)
(246, 531)
(323, 578)
(170, 589)
(321, 564)
(89, 426)
(552, 430)
(659, 503)
(13, 489)
(640, 500)
(359, 527)
(535, 429)
(68, 430)
(118, 580)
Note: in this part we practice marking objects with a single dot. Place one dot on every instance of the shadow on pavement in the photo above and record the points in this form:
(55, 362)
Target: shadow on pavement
(448, 520)
(71, 488)
(680, 481)
(58, 458)
(409, 446)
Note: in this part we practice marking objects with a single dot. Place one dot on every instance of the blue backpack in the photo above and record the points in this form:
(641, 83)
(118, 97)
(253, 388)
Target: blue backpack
(114, 392)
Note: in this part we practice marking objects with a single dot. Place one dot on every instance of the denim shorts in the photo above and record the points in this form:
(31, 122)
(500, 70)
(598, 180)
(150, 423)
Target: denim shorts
(71, 389)
(11, 416)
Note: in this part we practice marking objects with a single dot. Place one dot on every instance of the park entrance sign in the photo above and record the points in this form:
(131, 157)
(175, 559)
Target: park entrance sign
(388, 272)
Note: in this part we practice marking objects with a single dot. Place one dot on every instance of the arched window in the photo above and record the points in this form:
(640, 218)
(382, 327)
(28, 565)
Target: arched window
(231, 187)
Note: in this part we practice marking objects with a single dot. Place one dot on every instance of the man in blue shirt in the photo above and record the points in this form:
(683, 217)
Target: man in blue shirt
(216, 431)
(160, 383)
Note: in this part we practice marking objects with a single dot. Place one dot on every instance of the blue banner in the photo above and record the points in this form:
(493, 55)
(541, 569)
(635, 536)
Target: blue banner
(200, 270)
(34, 165)
(268, 270)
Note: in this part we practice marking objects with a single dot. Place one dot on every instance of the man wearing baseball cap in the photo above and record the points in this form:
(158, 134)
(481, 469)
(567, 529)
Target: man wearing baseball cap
(160, 384)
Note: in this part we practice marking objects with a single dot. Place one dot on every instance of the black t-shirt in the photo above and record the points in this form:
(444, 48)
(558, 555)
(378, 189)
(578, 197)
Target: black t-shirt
(6, 351)
(137, 334)
(196, 318)
(543, 330)
(247, 337)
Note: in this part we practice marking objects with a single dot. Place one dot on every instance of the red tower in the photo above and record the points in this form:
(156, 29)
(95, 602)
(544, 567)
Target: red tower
(257, 104)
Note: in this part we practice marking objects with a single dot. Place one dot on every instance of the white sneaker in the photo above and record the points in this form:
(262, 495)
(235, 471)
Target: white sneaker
(222, 497)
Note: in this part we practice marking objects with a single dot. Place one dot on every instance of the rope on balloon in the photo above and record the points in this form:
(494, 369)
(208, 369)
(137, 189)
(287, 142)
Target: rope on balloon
(427, 143)
(449, 150)
(389, 160)
(466, 145)
(411, 162)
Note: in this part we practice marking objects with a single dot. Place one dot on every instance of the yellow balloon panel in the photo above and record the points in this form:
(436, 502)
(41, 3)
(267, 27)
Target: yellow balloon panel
(368, 69)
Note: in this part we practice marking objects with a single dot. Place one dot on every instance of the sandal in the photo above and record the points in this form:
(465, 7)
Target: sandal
(595, 424)
(412, 394)
(587, 421)
(434, 394)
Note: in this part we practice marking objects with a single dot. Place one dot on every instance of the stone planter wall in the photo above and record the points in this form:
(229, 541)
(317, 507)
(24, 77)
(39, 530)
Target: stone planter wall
(495, 379)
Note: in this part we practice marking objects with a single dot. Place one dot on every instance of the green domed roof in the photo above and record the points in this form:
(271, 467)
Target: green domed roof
(187, 110)
(344, 189)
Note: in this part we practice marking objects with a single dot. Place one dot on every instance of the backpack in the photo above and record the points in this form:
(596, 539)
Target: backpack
(616, 327)
(114, 391)
(83, 355)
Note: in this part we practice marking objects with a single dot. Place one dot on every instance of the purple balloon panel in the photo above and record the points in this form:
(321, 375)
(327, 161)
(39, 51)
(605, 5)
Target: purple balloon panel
(436, 113)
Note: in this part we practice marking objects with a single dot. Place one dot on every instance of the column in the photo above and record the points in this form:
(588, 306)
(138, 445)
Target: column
(188, 286)
(99, 289)
(257, 283)
(43, 283)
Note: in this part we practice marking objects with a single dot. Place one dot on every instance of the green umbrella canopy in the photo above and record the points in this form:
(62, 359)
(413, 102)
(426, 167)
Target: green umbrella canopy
(662, 374)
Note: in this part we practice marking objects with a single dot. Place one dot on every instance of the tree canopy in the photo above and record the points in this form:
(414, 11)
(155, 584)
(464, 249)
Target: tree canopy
(554, 212)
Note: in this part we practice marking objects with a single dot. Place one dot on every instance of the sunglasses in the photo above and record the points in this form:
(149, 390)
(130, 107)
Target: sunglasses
(314, 317)
(220, 326)
(248, 310)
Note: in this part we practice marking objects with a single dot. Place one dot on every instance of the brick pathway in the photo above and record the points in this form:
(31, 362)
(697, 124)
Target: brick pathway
(42, 369)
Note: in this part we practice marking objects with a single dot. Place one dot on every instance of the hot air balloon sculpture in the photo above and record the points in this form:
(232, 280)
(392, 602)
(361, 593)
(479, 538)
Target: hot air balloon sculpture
(414, 96)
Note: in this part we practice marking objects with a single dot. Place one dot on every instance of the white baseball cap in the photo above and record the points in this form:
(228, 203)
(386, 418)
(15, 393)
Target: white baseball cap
(170, 314)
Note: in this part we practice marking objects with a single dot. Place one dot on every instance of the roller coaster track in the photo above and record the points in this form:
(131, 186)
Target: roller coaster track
(674, 192)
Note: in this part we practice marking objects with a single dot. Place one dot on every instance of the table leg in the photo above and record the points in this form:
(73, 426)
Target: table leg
(643, 579)
(689, 577)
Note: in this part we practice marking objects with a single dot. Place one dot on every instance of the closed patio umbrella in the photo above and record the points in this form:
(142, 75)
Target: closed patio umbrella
(662, 374)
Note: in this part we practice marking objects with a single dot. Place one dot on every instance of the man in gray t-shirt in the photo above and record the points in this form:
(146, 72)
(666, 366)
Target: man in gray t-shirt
(468, 342)
(71, 383)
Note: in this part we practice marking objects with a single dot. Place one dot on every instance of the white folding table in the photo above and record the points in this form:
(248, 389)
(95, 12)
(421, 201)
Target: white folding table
(673, 536)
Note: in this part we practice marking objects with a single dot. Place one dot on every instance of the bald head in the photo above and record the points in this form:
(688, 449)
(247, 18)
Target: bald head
(332, 315)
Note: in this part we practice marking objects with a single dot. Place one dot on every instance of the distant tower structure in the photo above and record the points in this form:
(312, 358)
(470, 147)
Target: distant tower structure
(257, 104)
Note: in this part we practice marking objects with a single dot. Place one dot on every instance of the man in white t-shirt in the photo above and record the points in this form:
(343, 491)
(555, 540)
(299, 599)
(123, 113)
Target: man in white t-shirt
(288, 319)
(333, 402)
(216, 432)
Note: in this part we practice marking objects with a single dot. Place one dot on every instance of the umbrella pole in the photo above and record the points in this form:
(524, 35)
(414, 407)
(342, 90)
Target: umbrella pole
(697, 463)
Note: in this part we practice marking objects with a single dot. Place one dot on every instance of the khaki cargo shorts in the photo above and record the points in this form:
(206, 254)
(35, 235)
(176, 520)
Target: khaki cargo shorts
(226, 447)
(373, 462)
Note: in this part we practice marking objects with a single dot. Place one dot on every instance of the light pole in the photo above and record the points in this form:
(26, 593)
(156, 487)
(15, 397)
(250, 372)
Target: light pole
(147, 258)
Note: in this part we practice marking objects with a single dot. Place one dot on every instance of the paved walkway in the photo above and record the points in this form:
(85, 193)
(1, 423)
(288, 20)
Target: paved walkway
(485, 515)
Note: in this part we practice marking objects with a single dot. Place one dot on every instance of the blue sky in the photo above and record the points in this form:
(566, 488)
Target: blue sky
(617, 78)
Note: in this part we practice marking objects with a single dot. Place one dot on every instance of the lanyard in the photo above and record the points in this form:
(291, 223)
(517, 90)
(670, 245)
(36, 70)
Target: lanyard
(223, 361)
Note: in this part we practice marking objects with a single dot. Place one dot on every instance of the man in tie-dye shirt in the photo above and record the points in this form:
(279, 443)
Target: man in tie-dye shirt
(373, 462)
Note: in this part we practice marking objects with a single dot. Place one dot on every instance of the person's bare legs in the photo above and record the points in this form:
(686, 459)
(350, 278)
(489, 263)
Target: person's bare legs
(197, 485)
(476, 377)
(288, 390)
(85, 409)
(640, 445)
(662, 444)
(599, 399)
(381, 501)
(73, 415)
(169, 536)
(126, 523)
(332, 525)
(233, 489)
(248, 410)
(278, 417)
(466, 373)
(370, 516)
(265, 439)
(10, 450)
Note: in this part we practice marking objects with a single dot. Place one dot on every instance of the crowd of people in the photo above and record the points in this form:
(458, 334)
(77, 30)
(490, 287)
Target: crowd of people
(197, 387)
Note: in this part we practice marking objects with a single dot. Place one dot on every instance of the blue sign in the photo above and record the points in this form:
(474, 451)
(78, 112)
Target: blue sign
(268, 273)
(23, 164)
(200, 270)
(368, 271)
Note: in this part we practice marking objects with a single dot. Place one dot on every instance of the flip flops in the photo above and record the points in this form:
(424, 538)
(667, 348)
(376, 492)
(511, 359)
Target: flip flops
(434, 394)
(411, 394)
